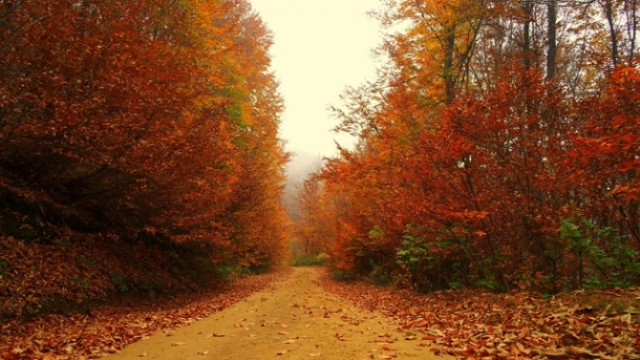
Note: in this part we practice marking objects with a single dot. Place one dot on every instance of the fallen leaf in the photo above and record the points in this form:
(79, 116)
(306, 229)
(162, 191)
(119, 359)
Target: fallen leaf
(581, 351)
(340, 337)
(522, 349)
(553, 353)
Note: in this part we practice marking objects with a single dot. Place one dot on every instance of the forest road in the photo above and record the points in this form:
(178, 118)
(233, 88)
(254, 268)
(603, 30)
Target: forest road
(293, 319)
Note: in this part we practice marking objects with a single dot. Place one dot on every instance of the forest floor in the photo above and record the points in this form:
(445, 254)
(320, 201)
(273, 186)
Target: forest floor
(105, 329)
(301, 313)
(296, 318)
(476, 324)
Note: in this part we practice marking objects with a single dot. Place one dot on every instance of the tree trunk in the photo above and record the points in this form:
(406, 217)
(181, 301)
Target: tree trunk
(552, 10)
(632, 28)
(527, 7)
(608, 11)
(449, 78)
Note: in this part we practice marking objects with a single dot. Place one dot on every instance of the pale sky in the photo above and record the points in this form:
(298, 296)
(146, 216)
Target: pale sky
(320, 47)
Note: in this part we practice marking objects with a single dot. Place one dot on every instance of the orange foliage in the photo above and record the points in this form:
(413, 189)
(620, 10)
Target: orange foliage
(472, 170)
(315, 229)
(483, 193)
(145, 117)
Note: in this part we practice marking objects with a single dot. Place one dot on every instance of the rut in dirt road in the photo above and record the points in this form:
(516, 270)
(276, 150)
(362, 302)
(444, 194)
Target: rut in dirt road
(296, 319)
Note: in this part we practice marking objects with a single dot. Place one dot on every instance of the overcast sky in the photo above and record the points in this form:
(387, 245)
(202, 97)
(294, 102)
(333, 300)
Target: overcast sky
(320, 47)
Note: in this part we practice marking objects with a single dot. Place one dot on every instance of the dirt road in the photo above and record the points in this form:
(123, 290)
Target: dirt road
(296, 319)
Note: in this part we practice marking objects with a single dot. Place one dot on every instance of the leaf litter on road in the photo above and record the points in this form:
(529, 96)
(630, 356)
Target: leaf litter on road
(109, 329)
(475, 324)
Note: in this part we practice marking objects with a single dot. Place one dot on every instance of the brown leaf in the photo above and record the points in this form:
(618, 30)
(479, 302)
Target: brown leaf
(340, 337)
(581, 351)
(522, 349)
(553, 352)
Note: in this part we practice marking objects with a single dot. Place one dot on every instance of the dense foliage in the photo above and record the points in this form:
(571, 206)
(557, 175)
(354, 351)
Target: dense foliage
(498, 149)
(138, 122)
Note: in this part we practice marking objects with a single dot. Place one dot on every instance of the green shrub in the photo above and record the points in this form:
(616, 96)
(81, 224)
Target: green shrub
(80, 260)
(119, 281)
(233, 271)
(4, 267)
(601, 258)
(80, 282)
(379, 276)
(342, 275)
(310, 260)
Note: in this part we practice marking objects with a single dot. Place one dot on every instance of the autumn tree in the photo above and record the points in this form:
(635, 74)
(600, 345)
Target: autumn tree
(144, 117)
(492, 152)
(315, 228)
